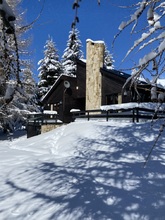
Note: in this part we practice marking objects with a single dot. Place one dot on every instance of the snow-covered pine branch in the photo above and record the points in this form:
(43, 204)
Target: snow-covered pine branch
(72, 53)
(108, 59)
(50, 67)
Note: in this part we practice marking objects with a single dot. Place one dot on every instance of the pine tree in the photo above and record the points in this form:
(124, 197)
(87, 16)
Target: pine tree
(50, 67)
(72, 52)
(108, 59)
(31, 90)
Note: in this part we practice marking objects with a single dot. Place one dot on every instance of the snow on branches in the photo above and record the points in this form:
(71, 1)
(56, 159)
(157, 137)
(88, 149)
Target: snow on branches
(108, 59)
(72, 53)
(149, 15)
(49, 67)
(15, 98)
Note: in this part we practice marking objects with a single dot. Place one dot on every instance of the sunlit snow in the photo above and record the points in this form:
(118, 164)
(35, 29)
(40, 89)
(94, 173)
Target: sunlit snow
(84, 170)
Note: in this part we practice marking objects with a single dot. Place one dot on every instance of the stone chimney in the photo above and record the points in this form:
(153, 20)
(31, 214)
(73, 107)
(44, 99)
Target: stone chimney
(95, 58)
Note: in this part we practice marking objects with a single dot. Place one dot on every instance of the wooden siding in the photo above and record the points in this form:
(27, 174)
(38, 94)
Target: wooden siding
(81, 79)
(61, 99)
(112, 85)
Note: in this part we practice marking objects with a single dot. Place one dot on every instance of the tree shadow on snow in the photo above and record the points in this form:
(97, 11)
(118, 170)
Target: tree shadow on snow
(105, 180)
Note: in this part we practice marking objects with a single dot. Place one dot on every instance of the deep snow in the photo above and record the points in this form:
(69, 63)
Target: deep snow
(84, 171)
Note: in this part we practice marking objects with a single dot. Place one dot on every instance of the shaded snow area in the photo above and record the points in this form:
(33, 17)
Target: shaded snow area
(84, 171)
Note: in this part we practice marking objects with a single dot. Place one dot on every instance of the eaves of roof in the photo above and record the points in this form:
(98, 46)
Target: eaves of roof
(55, 85)
(109, 73)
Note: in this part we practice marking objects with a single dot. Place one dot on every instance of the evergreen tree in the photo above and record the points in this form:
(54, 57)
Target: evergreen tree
(15, 102)
(108, 59)
(72, 52)
(30, 89)
(50, 67)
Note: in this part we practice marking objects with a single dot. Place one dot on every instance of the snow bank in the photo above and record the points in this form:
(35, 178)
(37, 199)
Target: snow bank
(87, 170)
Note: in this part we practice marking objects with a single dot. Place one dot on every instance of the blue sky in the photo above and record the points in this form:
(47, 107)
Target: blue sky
(96, 22)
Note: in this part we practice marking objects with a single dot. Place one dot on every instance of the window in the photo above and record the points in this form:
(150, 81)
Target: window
(112, 99)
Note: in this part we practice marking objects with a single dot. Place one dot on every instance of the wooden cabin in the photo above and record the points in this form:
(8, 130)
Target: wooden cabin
(61, 97)
(92, 87)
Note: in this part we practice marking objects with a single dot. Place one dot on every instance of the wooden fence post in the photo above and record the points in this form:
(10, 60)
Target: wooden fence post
(88, 115)
(133, 116)
(107, 115)
(137, 115)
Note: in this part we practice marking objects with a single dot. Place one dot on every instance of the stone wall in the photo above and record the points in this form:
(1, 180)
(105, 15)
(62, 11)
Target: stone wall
(95, 57)
(46, 128)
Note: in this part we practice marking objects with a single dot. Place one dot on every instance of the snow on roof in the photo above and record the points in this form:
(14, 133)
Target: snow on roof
(116, 72)
(96, 42)
(75, 110)
(83, 60)
(50, 112)
(58, 79)
(146, 105)
(34, 113)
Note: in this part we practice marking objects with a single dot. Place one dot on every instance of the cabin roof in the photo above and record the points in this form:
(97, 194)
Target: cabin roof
(57, 82)
(107, 72)
(114, 72)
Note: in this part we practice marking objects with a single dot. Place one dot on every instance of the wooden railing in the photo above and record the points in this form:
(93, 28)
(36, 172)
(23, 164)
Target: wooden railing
(134, 114)
(42, 119)
(35, 123)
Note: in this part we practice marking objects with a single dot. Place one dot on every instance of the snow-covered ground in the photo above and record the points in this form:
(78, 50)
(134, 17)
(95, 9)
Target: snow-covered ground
(84, 171)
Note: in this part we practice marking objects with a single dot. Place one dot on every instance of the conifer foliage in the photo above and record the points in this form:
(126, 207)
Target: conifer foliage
(30, 89)
(15, 103)
(108, 59)
(72, 52)
(50, 67)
